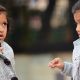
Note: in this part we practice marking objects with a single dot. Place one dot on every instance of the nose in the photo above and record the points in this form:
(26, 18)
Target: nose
(1, 29)
(78, 28)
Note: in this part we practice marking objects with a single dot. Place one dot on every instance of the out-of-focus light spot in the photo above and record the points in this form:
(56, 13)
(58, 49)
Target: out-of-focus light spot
(38, 5)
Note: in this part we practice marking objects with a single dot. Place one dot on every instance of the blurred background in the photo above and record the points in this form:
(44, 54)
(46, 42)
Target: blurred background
(40, 31)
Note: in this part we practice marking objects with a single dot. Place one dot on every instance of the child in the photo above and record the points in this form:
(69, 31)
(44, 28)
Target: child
(7, 71)
(71, 69)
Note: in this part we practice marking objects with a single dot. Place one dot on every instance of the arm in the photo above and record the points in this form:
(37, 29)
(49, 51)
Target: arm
(67, 68)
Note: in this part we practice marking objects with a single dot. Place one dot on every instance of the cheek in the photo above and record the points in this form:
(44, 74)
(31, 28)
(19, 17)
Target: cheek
(78, 28)
(5, 32)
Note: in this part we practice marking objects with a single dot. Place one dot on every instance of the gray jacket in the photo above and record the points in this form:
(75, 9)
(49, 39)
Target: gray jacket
(73, 69)
(7, 71)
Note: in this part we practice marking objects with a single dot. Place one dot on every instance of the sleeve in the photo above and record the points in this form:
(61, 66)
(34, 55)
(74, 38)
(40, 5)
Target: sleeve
(67, 68)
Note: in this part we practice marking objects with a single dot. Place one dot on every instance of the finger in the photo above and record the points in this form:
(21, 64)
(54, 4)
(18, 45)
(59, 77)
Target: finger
(54, 62)
(51, 65)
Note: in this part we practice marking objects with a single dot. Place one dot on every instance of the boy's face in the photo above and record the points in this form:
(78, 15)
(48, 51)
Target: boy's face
(77, 20)
(3, 26)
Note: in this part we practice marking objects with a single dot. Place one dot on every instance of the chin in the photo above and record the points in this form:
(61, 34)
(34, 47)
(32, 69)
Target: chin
(1, 40)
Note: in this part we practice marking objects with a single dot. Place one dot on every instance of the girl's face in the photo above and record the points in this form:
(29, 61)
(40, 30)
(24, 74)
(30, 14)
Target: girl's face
(77, 20)
(3, 25)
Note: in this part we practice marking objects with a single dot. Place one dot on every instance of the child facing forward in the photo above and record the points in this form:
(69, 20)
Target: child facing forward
(71, 69)
(7, 70)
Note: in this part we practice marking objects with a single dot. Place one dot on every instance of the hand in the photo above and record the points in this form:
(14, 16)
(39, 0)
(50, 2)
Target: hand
(56, 63)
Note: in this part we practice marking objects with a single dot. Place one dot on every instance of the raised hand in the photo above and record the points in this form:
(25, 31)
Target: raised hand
(56, 63)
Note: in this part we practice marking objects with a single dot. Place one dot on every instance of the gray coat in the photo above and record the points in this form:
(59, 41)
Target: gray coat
(7, 71)
(73, 69)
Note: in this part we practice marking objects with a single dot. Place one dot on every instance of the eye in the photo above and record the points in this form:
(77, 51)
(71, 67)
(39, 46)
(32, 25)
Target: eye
(5, 24)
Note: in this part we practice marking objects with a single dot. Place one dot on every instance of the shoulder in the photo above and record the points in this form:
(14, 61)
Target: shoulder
(8, 51)
(7, 46)
(76, 42)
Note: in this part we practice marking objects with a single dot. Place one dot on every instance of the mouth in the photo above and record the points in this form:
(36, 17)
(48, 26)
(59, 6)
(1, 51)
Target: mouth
(1, 36)
(79, 35)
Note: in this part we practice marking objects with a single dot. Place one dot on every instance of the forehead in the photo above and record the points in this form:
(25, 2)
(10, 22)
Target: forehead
(3, 17)
(77, 15)
(3, 14)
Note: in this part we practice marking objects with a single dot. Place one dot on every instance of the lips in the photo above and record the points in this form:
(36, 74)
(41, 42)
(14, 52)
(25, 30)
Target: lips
(1, 36)
(79, 35)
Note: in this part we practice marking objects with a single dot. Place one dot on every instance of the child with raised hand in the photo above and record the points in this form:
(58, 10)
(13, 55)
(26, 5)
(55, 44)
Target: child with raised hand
(71, 69)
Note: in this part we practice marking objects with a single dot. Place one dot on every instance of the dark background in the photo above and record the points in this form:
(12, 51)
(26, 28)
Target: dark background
(48, 39)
